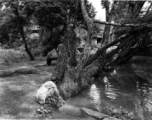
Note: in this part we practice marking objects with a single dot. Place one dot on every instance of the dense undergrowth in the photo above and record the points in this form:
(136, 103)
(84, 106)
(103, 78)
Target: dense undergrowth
(9, 56)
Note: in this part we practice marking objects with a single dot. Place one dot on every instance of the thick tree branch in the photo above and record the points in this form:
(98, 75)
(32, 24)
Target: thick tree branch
(100, 51)
(122, 25)
(88, 20)
(149, 8)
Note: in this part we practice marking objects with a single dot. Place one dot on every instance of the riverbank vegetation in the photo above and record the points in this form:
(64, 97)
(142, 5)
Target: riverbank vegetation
(33, 28)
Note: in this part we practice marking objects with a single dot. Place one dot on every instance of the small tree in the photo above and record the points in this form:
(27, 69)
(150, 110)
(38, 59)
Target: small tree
(20, 21)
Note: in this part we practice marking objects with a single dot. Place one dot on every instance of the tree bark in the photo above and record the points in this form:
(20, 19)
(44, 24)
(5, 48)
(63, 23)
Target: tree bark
(106, 32)
(125, 46)
(122, 25)
(105, 39)
(72, 45)
(72, 79)
(25, 44)
(61, 63)
(88, 21)
(69, 73)
(101, 51)
(134, 8)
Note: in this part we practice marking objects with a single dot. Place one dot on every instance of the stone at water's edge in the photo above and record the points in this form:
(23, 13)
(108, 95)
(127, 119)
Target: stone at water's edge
(71, 110)
(94, 114)
(47, 89)
(97, 115)
(111, 118)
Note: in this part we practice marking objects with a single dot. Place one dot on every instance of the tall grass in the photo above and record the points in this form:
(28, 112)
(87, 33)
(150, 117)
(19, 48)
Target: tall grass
(9, 56)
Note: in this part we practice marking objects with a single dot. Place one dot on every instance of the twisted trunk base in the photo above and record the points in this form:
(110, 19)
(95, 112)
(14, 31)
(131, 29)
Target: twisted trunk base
(71, 80)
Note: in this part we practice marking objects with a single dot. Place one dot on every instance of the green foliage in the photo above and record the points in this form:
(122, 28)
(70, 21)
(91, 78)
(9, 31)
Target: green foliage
(8, 28)
(128, 12)
(120, 11)
(10, 24)
(55, 13)
(105, 4)
(90, 9)
(49, 15)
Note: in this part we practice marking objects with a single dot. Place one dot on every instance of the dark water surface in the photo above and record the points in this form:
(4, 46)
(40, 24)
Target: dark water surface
(121, 88)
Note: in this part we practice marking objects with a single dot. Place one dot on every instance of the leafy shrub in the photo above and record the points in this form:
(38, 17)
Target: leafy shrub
(119, 113)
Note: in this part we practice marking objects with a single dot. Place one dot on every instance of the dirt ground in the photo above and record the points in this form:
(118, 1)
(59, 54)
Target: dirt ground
(17, 93)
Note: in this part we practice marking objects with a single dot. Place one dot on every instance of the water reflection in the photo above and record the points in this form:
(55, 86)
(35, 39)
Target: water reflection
(113, 73)
(109, 91)
(121, 88)
(94, 94)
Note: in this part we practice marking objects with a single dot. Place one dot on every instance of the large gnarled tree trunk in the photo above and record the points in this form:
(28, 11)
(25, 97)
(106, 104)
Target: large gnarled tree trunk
(72, 76)
(70, 73)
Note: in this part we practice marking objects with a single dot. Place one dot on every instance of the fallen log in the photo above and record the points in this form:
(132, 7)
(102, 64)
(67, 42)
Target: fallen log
(98, 115)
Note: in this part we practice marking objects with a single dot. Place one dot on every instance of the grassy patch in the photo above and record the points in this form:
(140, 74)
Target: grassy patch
(9, 56)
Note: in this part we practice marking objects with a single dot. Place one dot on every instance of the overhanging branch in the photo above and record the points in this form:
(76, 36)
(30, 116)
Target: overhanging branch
(100, 51)
(122, 25)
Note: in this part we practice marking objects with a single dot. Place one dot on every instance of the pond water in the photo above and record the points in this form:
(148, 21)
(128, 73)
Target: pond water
(121, 88)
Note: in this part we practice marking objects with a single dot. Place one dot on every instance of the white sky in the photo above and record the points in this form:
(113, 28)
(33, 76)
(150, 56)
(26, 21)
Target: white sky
(100, 12)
